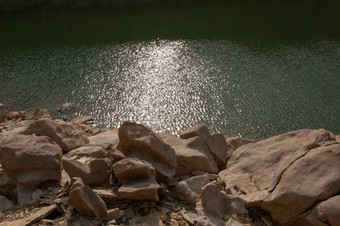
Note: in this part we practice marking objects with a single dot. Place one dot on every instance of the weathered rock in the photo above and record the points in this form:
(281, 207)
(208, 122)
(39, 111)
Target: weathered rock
(137, 141)
(94, 172)
(232, 222)
(255, 169)
(192, 155)
(329, 211)
(82, 119)
(138, 179)
(15, 115)
(5, 203)
(115, 155)
(190, 189)
(219, 149)
(153, 219)
(236, 142)
(66, 136)
(288, 201)
(196, 131)
(86, 201)
(88, 151)
(3, 115)
(105, 139)
(215, 204)
(41, 113)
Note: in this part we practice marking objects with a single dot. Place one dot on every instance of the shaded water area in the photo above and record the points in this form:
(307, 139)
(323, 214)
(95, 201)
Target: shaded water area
(255, 69)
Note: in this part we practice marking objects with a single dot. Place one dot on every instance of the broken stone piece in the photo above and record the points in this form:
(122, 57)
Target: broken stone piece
(137, 178)
(196, 131)
(88, 151)
(105, 139)
(219, 149)
(5, 203)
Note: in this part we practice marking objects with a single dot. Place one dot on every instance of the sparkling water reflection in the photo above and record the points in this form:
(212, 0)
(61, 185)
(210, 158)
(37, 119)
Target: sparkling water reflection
(170, 85)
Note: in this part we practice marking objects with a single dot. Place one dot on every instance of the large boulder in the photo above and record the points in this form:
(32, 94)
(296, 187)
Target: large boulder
(192, 155)
(196, 131)
(65, 135)
(86, 201)
(3, 115)
(215, 204)
(138, 179)
(105, 139)
(30, 160)
(218, 147)
(137, 141)
(318, 177)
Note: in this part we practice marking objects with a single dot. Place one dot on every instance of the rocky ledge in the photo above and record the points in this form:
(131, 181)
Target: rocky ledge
(58, 173)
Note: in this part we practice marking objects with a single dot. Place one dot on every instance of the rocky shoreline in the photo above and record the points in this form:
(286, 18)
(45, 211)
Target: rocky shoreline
(68, 173)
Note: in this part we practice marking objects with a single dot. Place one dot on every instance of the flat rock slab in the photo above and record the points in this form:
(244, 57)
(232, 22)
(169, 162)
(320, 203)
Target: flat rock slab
(105, 139)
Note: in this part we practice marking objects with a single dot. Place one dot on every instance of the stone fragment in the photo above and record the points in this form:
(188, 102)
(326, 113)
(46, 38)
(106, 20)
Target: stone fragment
(105, 139)
(114, 214)
(116, 155)
(137, 178)
(137, 141)
(86, 201)
(189, 190)
(329, 211)
(15, 115)
(192, 155)
(87, 151)
(196, 131)
(219, 149)
(3, 115)
(255, 169)
(8, 185)
(5, 203)
(106, 194)
(214, 204)
(154, 219)
(82, 119)
(41, 113)
(93, 172)
(288, 201)
(65, 135)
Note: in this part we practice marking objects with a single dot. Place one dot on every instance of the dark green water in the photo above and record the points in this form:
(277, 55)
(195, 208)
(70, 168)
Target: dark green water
(255, 68)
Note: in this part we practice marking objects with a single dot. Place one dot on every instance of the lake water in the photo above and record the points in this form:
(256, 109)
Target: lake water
(253, 69)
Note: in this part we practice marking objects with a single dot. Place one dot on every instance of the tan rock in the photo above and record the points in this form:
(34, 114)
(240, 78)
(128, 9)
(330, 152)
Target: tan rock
(3, 115)
(236, 142)
(214, 204)
(254, 169)
(137, 178)
(41, 113)
(94, 172)
(232, 222)
(66, 136)
(219, 149)
(288, 201)
(190, 189)
(137, 141)
(88, 151)
(192, 155)
(196, 131)
(115, 155)
(5, 203)
(329, 211)
(86, 201)
(15, 115)
(105, 139)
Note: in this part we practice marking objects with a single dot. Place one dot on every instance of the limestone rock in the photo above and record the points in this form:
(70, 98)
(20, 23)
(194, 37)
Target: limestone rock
(190, 189)
(94, 172)
(196, 131)
(66, 136)
(137, 141)
(3, 115)
(105, 139)
(219, 149)
(86, 201)
(87, 151)
(5, 203)
(192, 155)
(215, 204)
(254, 169)
(317, 174)
(138, 179)
(329, 211)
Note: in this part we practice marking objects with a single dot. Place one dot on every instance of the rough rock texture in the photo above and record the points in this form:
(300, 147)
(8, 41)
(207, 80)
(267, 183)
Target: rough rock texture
(254, 169)
(138, 179)
(105, 139)
(86, 201)
(215, 204)
(192, 155)
(190, 189)
(30, 160)
(3, 115)
(41, 113)
(5, 203)
(8, 185)
(318, 177)
(236, 142)
(88, 151)
(66, 136)
(137, 141)
(219, 149)
(196, 131)
(92, 171)
(329, 211)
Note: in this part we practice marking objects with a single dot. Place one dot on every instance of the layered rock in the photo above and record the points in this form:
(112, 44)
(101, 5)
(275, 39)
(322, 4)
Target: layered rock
(66, 136)
(192, 155)
(138, 179)
(215, 204)
(85, 200)
(30, 160)
(137, 141)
